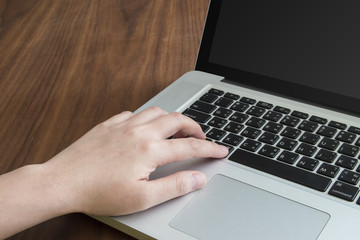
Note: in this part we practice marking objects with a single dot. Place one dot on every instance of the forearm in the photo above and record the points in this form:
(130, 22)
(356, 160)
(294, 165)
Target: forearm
(28, 197)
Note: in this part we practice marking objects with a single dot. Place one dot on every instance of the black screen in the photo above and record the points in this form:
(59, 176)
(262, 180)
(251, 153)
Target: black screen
(311, 44)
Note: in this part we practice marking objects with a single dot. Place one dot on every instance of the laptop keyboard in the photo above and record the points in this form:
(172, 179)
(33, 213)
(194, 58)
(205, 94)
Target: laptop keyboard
(309, 150)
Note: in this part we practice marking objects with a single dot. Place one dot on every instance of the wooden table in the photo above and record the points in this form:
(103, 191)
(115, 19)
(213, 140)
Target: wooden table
(68, 65)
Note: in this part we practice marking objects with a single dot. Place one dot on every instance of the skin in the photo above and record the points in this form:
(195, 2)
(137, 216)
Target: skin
(106, 171)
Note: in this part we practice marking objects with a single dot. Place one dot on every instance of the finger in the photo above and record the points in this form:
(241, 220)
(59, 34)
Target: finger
(175, 185)
(147, 115)
(175, 124)
(174, 150)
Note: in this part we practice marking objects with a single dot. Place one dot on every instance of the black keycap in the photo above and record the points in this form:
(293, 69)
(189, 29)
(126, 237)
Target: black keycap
(288, 157)
(217, 122)
(216, 134)
(250, 145)
(239, 117)
(318, 119)
(308, 126)
(354, 130)
(290, 121)
(248, 100)
(232, 96)
(307, 163)
(309, 138)
(326, 131)
(203, 107)
(224, 102)
(216, 91)
(282, 110)
(329, 144)
(344, 191)
(349, 177)
(233, 127)
(269, 138)
(337, 125)
(346, 162)
(239, 106)
(269, 151)
(357, 143)
(348, 150)
(255, 122)
(290, 132)
(273, 127)
(346, 137)
(256, 111)
(250, 132)
(223, 112)
(273, 116)
(208, 97)
(326, 156)
(306, 149)
(233, 139)
(281, 170)
(204, 127)
(328, 170)
(300, 114)
(196, 115)
(287, 143)
(264, 105)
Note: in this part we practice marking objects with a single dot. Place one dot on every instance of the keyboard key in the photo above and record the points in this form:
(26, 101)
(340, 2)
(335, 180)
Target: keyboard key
(318, 119)
(306, 149)
(216, 134)
(264, 105)
(282, 110)
(250, 145)
(328, 170)
(290, 121)
(273, 116)
(307, 163)
(224, 102)
(308, 126)
(204, 127)
(346, 162)
(248, 100)
(223, 112)
(196, 116)
(354, 130)
(337, 125)
(344, 191)
(233, 139)
(349, 177)
(346, 137)
(217, 122)
(287, 143)
(239, 106)
(256, 111)
(233, 127)
(290, 132)
(203, 107)
(255, 122)
(216, 91)
(348, 150)
(269, 138)
(209, 98)
(329, 144)
(326, 156)
(288, 157)
(326, 131)
(269, 151)
(251, 132)
(309, 138)
(232, 96)
(300, 114)
(273, 127)
(239, 117)
(281, 170)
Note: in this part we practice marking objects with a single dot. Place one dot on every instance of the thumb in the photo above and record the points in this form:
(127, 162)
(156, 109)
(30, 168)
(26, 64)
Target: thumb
(176, 185)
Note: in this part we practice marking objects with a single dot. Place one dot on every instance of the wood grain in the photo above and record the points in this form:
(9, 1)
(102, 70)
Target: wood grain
(68, 65)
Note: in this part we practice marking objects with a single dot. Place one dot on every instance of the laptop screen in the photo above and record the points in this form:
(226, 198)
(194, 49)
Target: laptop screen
(309, 50)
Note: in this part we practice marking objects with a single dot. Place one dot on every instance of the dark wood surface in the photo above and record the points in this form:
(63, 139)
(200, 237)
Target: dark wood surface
(68, 65)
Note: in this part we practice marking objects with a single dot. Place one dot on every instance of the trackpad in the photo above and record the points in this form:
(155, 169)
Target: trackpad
(229, 209)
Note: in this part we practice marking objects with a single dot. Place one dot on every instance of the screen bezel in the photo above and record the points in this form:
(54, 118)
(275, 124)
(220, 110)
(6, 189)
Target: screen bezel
(307, 94)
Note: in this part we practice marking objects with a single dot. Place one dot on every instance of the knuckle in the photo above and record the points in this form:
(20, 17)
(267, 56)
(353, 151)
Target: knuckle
(180, 186)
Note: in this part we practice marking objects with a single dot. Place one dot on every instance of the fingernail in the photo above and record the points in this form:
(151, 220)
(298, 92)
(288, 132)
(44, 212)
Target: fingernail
(198, 180)
(224, 149)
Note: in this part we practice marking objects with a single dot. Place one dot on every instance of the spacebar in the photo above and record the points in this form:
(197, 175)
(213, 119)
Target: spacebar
(282, 170)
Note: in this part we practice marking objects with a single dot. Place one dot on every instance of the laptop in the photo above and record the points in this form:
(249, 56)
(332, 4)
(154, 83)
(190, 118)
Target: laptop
(277, 82)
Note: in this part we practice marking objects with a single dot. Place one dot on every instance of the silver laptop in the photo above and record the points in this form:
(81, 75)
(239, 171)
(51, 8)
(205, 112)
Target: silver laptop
(277, 82)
